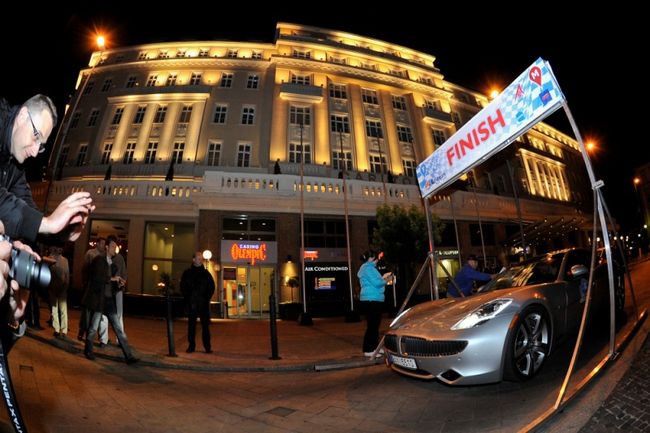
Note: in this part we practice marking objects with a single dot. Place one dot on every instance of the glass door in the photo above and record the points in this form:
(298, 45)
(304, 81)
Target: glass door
(247, 290)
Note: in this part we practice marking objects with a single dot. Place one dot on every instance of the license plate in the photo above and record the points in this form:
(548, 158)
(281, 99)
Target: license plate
(404, 362)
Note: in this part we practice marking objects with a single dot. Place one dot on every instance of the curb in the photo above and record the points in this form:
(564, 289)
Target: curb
(147, 360)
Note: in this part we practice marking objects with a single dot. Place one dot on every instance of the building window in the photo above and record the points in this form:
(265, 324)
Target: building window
(249, 229)
(253, 82)
(325, 234)
(247, 115)
(94, 115)
(300, 115)
(377, 164)
(404, 134)
(163, 55)
(75, 120)
(409, 167)
(214, 153)
(63, 156)
(107, 85)
(177, 156)
(220, 112)
(244, 155)
(152, 80)
(369, 97)
(303, 80)
(339, 123)
(195, 80)
(186, 114)
(171, 79)
(226, 80)
(180, 54)
(139, 115)
(455, 117)
(338, 91)
(161, 113)
(342, 159)
(399, 103)
(142, 56)
(256, 55)
(81, 156)
(204, 53)
(475, 234)
(128, 153)
(89, 88)
(373, 129)
(300, 54)
(169, 246)
(232, 54)
(439, 136)
(106, 155)
(131, 81)
(117, 117)
(296, 152)
(150, 156)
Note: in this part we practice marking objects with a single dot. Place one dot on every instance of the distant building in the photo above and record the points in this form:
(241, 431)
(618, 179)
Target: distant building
(177, 143)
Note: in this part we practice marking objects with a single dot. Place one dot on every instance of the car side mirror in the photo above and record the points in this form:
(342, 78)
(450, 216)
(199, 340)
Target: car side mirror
(578, 271)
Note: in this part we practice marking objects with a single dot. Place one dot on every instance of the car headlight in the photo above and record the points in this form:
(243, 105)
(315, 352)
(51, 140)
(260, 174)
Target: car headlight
(396, 319)
(482, 314)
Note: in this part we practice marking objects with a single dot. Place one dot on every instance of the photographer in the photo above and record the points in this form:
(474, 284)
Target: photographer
(24, 130)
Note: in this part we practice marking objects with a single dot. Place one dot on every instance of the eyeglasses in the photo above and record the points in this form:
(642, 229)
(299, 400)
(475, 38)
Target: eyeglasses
(38, 135)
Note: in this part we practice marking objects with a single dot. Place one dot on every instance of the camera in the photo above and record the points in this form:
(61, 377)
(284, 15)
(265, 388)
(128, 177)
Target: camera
(26, 271)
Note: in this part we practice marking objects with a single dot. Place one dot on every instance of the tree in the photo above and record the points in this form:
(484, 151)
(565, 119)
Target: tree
(402, 235)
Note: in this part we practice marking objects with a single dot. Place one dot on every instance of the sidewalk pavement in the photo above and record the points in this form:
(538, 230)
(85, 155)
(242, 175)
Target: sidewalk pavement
(237, 344)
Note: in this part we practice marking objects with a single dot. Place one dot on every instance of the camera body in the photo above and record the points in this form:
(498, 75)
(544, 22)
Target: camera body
(26, 271)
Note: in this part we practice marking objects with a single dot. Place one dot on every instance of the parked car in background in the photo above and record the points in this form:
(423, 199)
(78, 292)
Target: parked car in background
(505, 331)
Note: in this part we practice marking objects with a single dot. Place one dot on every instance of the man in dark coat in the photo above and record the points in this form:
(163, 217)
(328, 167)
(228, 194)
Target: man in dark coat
(100, 299)
(197, 287)
(24, 130)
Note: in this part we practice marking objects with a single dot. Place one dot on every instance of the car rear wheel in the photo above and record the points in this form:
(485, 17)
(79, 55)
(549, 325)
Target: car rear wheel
(528, 345)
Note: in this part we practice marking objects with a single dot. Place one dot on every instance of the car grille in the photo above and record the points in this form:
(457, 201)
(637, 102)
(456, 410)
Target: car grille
(416, 346)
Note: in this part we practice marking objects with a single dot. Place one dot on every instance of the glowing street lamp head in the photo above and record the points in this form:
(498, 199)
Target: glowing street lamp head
(101, 42)
(637, 180)
(494, 93)
(590, 146)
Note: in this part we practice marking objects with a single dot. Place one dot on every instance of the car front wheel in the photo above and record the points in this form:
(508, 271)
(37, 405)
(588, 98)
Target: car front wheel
(528, 345)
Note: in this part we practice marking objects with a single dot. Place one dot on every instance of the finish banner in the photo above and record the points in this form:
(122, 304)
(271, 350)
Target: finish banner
(534, 95)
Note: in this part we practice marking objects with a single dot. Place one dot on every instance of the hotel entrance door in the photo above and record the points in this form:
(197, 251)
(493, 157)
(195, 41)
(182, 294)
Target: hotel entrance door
(247, 289)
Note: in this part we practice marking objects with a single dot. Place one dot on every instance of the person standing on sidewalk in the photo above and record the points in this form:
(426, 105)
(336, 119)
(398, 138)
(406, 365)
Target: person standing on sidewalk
(373, 285)
(197, 286)
(58, 292)
(84, 317)
(100, 299)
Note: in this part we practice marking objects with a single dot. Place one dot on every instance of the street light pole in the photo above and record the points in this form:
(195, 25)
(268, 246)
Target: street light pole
(65, 126)
(381, 163)
(342, 167)
(304, 317)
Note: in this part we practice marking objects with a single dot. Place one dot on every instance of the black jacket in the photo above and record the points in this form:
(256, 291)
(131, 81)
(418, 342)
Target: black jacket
(197, 287)
(18, 212)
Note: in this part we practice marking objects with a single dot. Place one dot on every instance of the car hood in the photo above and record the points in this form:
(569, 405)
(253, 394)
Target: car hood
(444, 313)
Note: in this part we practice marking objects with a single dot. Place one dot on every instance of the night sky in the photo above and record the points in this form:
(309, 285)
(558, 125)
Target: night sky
(598, 68)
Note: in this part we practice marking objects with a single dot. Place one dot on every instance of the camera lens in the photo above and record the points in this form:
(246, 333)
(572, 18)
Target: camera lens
(27, 271)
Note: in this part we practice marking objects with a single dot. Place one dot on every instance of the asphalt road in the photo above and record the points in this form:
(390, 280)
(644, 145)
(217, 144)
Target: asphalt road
(63, 392)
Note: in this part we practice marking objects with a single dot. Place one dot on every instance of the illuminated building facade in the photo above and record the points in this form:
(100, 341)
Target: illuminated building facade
(178, 143)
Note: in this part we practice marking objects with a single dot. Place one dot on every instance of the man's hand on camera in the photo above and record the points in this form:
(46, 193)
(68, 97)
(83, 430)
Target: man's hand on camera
(17, 297)
(70, 216)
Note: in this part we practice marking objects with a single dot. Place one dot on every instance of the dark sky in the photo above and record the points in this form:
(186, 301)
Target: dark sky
(597, 67)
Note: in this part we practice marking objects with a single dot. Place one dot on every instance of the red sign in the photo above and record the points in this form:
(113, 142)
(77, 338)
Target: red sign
(250, 252)
(311, 254)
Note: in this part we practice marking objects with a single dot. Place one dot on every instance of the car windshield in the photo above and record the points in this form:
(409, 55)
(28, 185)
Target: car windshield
(535, 271)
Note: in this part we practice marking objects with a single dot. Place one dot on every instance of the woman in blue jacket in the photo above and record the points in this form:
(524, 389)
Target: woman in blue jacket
(372, 299)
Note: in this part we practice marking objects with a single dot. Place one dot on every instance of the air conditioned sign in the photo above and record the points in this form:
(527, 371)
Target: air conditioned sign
(532, 96)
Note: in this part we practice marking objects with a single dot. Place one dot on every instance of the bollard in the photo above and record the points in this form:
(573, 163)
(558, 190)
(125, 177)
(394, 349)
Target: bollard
(170, 325)
(273, 324)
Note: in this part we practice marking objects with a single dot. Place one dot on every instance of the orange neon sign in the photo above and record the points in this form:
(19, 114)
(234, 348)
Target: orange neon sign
(311, 254)
(250, 252)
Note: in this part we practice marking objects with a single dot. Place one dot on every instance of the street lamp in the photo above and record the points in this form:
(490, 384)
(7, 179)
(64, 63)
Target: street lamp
(65, 127)
(342, 167)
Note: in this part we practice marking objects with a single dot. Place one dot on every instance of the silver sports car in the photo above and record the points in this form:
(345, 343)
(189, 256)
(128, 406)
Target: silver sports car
(507, 329)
